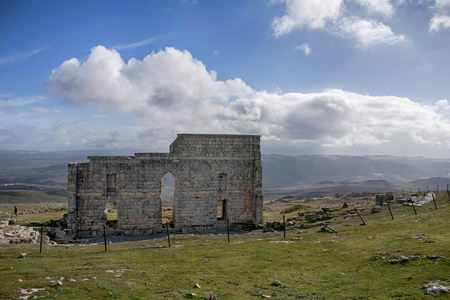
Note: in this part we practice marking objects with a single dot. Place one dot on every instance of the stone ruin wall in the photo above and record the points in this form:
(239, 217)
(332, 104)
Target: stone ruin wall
(210, 171)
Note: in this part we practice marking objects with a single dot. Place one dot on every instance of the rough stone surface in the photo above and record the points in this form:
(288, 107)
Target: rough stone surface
(276, 283)
(436, 287)
(217, 177)
(382, 199)
(19, 235)
(375, 209)
(401, 259)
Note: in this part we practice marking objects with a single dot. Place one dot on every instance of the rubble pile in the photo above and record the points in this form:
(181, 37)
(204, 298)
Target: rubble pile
(19, 234)
(302, 220)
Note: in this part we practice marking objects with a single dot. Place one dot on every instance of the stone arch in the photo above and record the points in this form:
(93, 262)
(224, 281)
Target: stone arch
(167, 197)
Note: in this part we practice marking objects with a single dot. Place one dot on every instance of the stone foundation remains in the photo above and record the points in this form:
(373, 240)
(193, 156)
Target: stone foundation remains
(217, 177)
(19, 234)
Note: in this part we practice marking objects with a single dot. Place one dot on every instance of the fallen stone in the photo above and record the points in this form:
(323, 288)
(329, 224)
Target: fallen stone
(436, 288)
(375, 209)
(271, 225)
(276, 283)
(402, 259)
(19, 235)
(32, 291)
(297, 218)
(417, 237)
(381, 199)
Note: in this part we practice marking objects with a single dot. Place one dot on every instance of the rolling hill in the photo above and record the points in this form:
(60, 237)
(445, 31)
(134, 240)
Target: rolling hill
(279, 171)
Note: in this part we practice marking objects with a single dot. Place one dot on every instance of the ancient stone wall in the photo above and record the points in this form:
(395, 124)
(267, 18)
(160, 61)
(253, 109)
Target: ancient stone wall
(217, 177)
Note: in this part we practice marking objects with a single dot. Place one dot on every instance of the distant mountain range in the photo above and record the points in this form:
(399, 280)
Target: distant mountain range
(283, 171)
(50, 168)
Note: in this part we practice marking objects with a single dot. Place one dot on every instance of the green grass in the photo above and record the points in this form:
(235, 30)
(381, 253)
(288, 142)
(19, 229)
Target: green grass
(295, 208)
(27, 213)
(351, 264)
(167, 215)
(48, 195)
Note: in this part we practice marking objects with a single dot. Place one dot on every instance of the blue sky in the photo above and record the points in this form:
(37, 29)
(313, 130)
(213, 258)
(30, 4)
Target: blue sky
(357, 77)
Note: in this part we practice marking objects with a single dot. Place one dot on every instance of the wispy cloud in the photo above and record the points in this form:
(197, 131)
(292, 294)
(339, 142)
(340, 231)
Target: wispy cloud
(151, 40)
(368, 33)
(305, 48)
(135, 45)
(45, 110)
(20, 101)
(19, 58)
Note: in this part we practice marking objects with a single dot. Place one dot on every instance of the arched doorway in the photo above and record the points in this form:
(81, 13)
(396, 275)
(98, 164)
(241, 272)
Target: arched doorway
(168, 198)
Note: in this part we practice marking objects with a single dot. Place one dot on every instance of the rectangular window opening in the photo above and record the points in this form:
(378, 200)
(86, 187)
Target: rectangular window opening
(222, 182)
(221, 209)
(111, 183)
(111, 211)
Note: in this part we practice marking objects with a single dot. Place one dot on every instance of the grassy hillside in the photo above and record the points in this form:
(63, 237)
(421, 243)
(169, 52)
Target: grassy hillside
(283, 171)
(43, 168)
(31, 193)
(333, 188)
(50, 168)
(358, 262)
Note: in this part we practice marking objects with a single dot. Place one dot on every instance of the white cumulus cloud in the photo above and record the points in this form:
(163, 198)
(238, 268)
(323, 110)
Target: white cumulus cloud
(383, 7)
(439, 22)
(335, 17)
(441, 17)
(306, 13)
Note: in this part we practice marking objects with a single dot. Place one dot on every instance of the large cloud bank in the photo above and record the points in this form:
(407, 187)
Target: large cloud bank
(174, 92)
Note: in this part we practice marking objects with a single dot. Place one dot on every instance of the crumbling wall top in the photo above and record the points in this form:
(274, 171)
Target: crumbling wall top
(215, 145)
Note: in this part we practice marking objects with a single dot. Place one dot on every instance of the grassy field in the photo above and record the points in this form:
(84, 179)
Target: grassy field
(31, 194)
(309, 264)
(38, 212)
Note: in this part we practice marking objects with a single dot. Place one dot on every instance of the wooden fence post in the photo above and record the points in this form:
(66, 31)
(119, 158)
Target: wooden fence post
(392, 216)
(363, 223)
(412, 203)
(228, 230)
(104, 234)
(168, 234)
(42, 236)
(434, 200)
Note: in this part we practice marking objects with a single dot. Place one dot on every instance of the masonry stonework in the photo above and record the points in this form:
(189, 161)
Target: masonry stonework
(217, 177)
